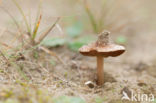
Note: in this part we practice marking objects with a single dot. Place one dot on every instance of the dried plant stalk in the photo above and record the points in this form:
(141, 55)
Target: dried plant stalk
(51, 53)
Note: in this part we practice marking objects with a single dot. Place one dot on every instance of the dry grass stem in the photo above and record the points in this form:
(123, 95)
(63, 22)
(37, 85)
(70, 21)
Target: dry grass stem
(51, 53)
(47, 32)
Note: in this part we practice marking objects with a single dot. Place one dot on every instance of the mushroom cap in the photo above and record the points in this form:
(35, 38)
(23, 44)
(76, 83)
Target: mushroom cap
(104, 51)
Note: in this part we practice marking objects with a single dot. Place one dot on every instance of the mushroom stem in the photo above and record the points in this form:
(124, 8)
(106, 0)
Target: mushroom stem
(100, 73)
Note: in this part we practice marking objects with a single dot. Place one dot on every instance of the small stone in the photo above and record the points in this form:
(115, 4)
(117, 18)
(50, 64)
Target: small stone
(90, 84)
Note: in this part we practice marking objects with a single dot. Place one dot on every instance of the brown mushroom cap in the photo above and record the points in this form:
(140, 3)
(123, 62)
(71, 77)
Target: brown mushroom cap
(105, 51)
(102, 47)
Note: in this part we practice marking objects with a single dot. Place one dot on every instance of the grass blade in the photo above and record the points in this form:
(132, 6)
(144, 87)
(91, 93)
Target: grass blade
(8, 63)
(24, 17)
(104, 12)
(37, 22)
(46, 33)
(12, 17)
(14, 20)
(52, 54)
(91, 17)
(29, 20)
(36, 28)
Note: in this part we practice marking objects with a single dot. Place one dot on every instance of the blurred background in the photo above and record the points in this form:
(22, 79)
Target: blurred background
(132, 24)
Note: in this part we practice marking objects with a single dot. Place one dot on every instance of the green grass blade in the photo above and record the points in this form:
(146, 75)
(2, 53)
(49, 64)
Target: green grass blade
(24, 17)
(36, 28)
(103, 15)
(91, 18)
(30, 21)
(12, 17)
(38, 19)
(47, 32)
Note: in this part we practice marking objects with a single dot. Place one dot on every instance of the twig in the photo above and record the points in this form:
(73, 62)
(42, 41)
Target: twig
(51, 53)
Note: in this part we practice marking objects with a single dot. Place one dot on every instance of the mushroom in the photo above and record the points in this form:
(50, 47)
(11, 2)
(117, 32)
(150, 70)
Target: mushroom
(102, 48)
